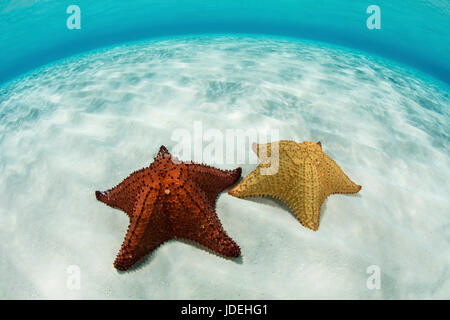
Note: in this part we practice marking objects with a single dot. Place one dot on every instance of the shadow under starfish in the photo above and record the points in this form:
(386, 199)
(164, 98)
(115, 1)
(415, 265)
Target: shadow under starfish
(149, 258)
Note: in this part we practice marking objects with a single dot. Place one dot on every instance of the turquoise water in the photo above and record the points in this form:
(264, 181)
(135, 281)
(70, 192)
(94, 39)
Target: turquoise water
(415, 32)
(81, 109)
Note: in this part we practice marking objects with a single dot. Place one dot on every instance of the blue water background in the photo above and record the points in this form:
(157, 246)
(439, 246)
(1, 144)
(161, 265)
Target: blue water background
(413, 32)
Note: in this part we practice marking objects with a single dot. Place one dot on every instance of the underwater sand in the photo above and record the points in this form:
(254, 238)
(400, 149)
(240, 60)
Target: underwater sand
(85, 123)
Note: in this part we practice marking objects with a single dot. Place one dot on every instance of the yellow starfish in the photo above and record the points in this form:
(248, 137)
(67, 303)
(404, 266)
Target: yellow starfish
(299, 174)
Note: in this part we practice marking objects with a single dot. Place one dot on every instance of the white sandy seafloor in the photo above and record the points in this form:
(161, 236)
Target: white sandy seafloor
(85, 123)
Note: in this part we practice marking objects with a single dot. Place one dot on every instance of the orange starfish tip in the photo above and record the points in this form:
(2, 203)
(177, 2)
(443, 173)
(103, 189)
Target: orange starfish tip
(234, 251)
(123, 263)
(163, 153)
(100, 196)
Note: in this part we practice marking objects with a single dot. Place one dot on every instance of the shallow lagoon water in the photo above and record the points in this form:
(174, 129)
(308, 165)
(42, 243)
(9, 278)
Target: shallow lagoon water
(84, 123)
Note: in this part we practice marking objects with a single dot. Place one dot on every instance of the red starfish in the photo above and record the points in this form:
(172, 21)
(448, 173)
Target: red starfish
(171, 199)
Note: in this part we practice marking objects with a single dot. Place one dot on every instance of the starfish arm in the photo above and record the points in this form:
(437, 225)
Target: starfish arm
(212, 180)
(339, 182)
(197, 221)
(147, 230)
(310, 217)
(124, 195)
(306, 196)
(253, 185)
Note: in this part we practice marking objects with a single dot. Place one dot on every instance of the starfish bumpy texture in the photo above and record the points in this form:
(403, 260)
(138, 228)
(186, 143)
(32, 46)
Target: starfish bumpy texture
(304, 176)
(171, 199)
